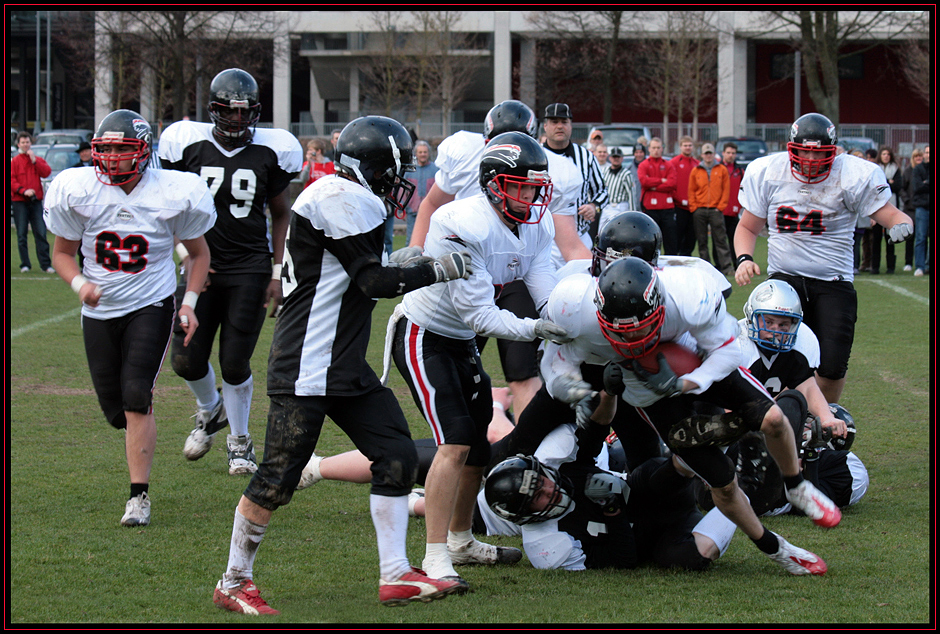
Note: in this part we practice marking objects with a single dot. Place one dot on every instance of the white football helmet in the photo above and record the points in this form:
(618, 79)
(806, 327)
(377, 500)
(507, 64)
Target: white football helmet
(773, 297)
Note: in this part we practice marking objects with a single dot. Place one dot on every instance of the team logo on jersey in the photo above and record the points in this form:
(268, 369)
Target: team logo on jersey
(455, 239)
(125, 215)
(504, 152)
(513, 265)
(803, 191)
(881, 188)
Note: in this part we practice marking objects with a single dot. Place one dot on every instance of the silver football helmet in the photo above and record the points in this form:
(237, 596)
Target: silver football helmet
(773, 297)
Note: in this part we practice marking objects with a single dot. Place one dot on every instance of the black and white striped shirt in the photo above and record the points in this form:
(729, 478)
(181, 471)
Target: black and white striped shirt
(620, 186)
(593, 189)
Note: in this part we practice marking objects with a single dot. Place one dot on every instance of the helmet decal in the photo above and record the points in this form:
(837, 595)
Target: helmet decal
(505, 153)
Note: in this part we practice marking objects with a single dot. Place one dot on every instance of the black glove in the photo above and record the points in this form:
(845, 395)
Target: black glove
(613, 379)
(665, 382)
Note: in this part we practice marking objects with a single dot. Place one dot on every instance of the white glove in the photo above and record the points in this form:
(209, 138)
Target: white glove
(402, 255)
(900, 232)
(545, 329)
(570, 389)
(607, 490)
(452, 266)
(584, 409)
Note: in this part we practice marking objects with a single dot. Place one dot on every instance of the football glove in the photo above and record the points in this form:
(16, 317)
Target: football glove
(570, 389)
(452, 266)
(900, 232)
(585, 408)
(613, 379)
(608, 491)
(545, 329)
(665, 382)
(403, 255)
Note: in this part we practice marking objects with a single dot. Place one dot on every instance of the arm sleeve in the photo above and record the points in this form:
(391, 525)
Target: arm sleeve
(357, 255)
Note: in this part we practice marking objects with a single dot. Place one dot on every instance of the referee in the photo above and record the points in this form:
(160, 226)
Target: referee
(593, 196)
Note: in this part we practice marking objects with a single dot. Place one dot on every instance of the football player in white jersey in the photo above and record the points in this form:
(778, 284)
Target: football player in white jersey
(246, 169)
(625, 314)
(125, 218)
(810, 199)
(458, 176)
(432, 335)
(317, 366)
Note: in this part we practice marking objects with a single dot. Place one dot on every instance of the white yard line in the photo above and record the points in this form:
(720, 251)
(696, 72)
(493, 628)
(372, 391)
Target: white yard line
(45, 322)
(898, 289)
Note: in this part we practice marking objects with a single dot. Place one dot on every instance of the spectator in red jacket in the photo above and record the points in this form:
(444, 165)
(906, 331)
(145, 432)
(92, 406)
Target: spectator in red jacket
(729, 153)
(26, 173)
(684, 163)
(658, 182)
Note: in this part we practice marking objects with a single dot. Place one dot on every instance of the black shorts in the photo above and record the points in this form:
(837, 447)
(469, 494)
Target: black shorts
(233, 306)
(125, 355)
(830, 309)
(739, 392)
(373, 421)
(518, 358)
(449, 386)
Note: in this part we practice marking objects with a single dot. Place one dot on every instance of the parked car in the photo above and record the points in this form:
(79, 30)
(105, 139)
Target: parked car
(60, 156)
(69, 135)
(749, 148)
(622, 135)
(858, 143)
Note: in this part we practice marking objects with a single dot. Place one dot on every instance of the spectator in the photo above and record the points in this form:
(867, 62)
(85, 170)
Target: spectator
(684, 163)
(601, 155)
(334, 137)
(619, 183)
(316, 165)
(84, 155)
(423, 179)
(593, 197)
(708, 196)
(597, 138)
(917, 157)
(639, 155)
(735, 173)
(922, 199)
(892, 172)
(26, 173)
(658, 179)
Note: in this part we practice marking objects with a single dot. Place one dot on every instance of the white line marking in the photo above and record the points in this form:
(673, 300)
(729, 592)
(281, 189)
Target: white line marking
(898, 289)
(45, 322)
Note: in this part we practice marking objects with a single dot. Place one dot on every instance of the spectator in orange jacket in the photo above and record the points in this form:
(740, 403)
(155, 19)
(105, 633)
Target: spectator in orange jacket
(658, 182)
(26, 173)
(729, 153)
(709, 188)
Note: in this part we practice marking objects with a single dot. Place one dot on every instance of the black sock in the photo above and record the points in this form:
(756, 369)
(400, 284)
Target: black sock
(137, 489)
(767, 542)
(792, 482)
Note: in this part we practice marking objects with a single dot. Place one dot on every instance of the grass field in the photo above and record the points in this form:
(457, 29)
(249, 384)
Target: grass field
(70, 562)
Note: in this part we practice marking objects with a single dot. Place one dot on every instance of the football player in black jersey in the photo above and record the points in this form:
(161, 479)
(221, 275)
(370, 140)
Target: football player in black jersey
(246, 169)
(317, 366)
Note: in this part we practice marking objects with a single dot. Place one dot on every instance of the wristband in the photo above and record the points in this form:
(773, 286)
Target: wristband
(181, 251)
(744, 257)
(276, 272)
(190, 299)
(499, 406)
(77, 282)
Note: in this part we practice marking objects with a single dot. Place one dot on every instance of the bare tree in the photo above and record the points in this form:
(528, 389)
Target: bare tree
(588, 55)
(823, 36)
(384, 76)
(916, 59)
(180, 49)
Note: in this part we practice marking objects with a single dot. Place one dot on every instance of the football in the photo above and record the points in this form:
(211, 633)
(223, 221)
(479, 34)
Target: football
(680, 359)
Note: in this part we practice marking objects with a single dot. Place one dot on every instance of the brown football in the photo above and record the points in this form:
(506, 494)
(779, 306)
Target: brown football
(680, 359)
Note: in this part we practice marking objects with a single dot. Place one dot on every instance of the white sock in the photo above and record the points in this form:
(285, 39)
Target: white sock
(238, 405)
(204, 389)
(459, 538)
(437, 562)
(716, 527)
(246, 537)
(390, 517)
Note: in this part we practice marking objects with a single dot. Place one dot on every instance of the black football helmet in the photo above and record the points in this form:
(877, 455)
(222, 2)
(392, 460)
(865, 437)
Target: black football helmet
(510, 116)
(234, 107)
(377, 152)
(815, 134)
(842, 414)
(514, 483)
(511, 161)
(121, 127)
(629, 233)
(630, 306)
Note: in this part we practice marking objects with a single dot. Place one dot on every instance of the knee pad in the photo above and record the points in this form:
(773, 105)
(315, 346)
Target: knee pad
(138, 398)
(395, 472)
(795, 408)
(118, 421)
(235, 371)
(684, 554)
(479, 455)
(185, 364)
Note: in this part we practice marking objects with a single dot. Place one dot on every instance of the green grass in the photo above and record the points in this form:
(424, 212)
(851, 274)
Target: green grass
(69, 561)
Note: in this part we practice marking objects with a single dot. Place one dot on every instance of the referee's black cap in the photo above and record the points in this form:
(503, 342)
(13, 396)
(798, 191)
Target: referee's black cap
(558, 111)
